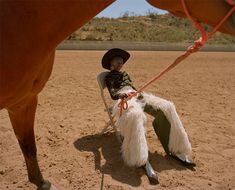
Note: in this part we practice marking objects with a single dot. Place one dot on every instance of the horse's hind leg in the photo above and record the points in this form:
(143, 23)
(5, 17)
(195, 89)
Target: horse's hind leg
(22, 118)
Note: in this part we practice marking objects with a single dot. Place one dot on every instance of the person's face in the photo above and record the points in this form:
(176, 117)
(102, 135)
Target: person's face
(117, 63)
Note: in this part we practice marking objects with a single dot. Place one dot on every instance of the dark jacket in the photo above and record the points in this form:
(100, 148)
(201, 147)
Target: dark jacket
(115, 81)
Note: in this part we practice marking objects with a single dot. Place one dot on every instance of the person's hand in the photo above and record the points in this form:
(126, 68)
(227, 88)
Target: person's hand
(122, 96)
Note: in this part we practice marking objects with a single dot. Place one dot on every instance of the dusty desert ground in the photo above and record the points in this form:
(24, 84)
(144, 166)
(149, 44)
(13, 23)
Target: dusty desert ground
(70, 116)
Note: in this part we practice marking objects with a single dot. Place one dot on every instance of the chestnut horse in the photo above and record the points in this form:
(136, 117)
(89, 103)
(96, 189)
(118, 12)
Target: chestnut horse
(29, 33)
(206, 11)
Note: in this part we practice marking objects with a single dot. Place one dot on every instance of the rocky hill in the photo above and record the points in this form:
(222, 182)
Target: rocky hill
(150, 28)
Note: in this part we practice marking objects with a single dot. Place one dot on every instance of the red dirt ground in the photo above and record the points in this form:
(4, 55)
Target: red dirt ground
(70, 116)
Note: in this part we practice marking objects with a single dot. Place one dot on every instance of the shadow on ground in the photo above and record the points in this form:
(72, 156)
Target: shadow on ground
(109, 147)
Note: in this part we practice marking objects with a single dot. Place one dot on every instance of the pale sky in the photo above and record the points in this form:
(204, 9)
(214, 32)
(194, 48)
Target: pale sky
(119, 7)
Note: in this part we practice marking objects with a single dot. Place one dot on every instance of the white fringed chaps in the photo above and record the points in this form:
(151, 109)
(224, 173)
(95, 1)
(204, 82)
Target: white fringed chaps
(178, 140)
(131, 124)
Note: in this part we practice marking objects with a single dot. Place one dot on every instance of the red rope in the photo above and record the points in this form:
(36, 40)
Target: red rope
(203, 39)
(123, 105)
(231, 2)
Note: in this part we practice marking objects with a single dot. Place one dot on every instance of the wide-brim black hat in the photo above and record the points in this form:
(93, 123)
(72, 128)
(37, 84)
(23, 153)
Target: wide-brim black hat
(115, 52)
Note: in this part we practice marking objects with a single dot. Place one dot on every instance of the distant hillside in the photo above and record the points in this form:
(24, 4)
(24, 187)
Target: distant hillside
(150, 28)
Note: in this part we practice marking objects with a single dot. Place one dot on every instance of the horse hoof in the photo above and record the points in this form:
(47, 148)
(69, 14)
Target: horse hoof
(53, 187)
(45, 186)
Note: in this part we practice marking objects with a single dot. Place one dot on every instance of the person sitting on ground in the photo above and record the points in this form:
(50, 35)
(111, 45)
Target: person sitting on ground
(166, 124)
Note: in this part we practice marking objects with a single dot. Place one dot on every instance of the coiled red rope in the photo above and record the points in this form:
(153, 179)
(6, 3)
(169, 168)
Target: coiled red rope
(123, 105)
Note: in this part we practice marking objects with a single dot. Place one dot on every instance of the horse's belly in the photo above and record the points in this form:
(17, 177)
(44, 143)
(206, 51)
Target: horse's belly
(17, 86)
(13, 94)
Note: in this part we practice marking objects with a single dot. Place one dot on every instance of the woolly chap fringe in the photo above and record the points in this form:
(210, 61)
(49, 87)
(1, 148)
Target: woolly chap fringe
(178, 139)
(131, 124)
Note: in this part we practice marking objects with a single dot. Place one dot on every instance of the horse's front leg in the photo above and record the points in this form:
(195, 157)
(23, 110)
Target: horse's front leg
(22, 118)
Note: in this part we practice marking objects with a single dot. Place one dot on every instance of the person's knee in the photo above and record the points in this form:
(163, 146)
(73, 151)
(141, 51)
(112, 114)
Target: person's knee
(138, 117)
(169, 105)
(137, 113)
